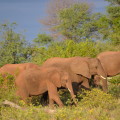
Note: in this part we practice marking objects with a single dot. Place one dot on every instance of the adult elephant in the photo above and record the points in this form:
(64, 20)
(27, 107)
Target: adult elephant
(15, 69)
(80, 66)
(110, 62)
(37, 81)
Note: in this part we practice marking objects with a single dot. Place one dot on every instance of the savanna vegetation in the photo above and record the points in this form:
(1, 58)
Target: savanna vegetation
(75, 31)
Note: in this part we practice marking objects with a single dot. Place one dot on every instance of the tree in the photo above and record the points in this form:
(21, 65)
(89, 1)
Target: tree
(53, 8)
(114, 16)
(112, 21)
(13, 47)
(74, 20)
(42, 39)
(115, 2)
(78, 23)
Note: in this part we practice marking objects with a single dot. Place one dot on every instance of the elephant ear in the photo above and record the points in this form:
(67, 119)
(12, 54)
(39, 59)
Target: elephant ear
(81, 67)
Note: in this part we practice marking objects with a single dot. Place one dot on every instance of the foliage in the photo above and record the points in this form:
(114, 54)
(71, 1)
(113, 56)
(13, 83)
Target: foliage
(42, 39)
(70, 48)
(115, 80)
(78, 23)
(53, 8)
(114, 87)
(7, 80)
(29, 114)
(93, 106)
(72, 19)
(13, 47)
(114, 90)
(85, 31)
(110, 27)
(114, 1)
(97, 98)
(63, 49)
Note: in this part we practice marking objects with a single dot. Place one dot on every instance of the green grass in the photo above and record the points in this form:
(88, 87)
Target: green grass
(94, 105)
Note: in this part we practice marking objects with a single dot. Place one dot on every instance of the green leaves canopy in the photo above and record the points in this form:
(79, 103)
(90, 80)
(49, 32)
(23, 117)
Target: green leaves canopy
(13, 47)
(77, 22)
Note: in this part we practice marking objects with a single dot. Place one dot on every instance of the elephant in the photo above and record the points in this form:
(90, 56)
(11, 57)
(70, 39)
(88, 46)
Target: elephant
(81, 67)
(34, 81)
(77, 87)
(110, 61)
(15, 69)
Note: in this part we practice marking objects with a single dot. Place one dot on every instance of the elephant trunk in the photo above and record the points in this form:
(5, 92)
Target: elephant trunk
(70, 88)
(103, 76)
(104, 84)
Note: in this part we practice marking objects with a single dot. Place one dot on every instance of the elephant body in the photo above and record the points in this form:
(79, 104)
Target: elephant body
(110, 62)
(80, 66)
(15, 69)
(37, 81)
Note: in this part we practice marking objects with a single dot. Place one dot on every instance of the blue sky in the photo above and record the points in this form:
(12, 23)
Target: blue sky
(27, 13)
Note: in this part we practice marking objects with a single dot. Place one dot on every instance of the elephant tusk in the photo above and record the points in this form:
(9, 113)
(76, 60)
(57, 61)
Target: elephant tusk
(102, 77)
(69, 90)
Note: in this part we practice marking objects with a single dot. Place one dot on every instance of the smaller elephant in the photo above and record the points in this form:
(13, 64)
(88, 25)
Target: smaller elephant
(37, 81)
(77, 88)
(110, 62)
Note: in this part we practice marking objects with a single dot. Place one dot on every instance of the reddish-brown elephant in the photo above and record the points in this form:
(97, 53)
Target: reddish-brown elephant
(15, 69)
(110, 62)
(37, 81)
(80, 66)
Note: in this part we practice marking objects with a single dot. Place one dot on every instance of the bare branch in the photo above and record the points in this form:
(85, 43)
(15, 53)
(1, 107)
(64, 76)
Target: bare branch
(11, 104)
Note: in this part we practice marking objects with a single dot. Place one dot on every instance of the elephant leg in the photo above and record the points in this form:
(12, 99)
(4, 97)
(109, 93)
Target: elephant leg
(51, 102)
(85, 84)
(101, 82)
(75, 86)
(70, 88)
(23, 94)
(104, 85)
(53, 94)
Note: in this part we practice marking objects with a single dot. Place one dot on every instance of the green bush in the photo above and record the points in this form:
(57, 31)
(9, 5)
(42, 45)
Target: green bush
(114, 86)
(95, 105)
(1, 80)
(30, 114)
(97, 98)
(115, 80)
(7, 81)
(69, 48)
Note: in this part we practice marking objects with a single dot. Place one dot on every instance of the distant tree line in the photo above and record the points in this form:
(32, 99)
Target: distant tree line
(74, 31)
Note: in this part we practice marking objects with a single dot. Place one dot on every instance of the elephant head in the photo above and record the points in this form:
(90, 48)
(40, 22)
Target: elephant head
(95, 65)
(63, 79)
(89, 66)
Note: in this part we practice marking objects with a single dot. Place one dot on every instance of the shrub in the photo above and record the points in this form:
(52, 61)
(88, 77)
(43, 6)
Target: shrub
(97, 98)
(114, 86)
(69, 48)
